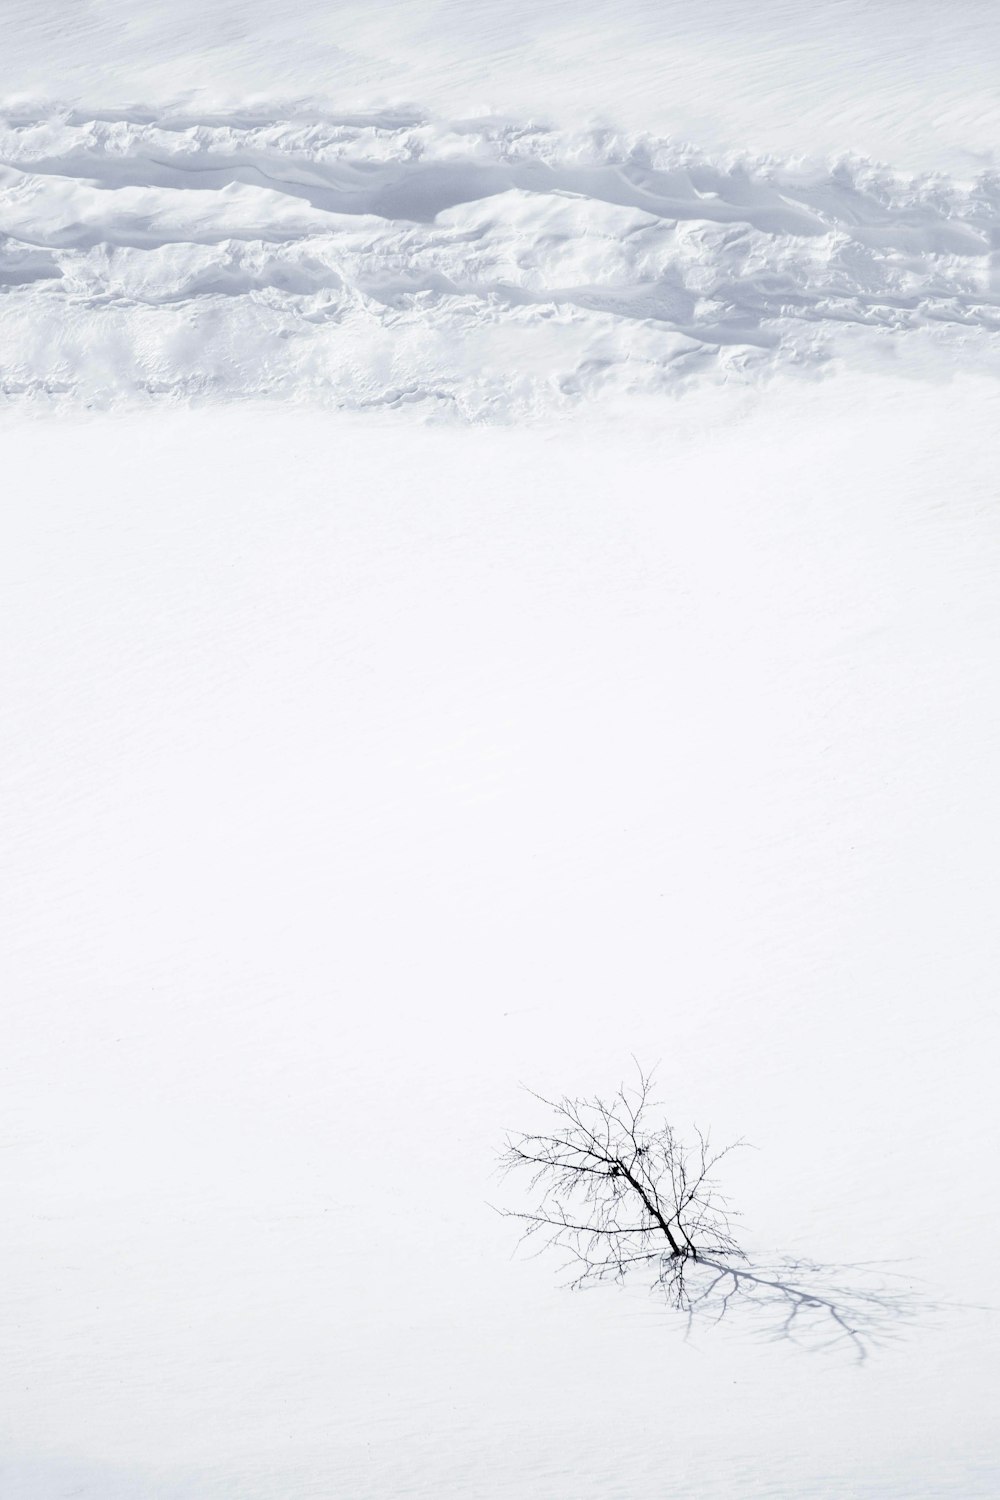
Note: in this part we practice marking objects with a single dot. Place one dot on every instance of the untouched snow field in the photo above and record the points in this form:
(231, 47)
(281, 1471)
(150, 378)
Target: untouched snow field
(499, 552)
(361, 770)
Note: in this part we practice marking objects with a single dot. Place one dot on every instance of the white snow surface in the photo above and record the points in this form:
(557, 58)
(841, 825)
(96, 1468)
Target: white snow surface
(911, 82)
(361, 770)
(495, 212)
(487, 270)
(361, 766)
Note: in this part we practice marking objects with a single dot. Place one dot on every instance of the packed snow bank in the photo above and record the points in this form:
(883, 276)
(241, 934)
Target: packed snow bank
(488, 268)
(360, 769)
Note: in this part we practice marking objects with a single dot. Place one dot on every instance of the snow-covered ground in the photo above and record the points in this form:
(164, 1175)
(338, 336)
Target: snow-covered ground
(492, 212)
(911, 82)
(361, 766)
(493, 269)
(361, 770)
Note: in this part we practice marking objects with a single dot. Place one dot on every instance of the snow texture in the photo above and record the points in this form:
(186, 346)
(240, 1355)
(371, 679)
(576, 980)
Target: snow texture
(360, 766)
(491, 269)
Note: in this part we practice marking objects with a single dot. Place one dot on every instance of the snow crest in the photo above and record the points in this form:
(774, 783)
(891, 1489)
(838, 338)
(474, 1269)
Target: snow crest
(492, 268)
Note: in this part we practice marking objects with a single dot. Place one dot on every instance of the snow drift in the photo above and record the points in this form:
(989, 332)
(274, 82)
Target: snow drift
(487, 267)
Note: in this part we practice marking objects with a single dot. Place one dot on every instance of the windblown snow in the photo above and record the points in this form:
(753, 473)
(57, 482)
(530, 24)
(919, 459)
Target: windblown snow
(488, 267)
(407, 698)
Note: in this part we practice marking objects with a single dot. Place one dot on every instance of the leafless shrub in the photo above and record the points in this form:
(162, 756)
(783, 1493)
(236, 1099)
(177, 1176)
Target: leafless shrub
(620, 1193)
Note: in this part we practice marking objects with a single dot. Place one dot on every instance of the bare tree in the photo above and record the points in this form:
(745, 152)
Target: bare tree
(620, 1193)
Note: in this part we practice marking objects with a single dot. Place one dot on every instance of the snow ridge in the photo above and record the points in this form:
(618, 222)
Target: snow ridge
(490, 267)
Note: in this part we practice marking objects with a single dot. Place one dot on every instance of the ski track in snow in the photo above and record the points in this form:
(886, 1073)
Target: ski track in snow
(491, 268)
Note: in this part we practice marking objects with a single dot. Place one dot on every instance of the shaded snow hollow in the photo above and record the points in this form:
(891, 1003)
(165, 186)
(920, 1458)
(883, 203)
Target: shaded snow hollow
(490, 268)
